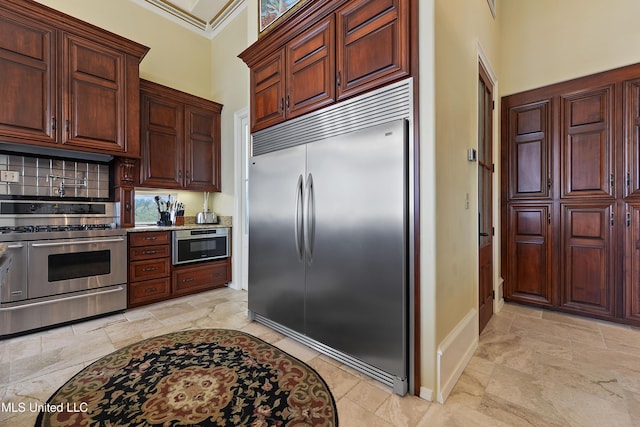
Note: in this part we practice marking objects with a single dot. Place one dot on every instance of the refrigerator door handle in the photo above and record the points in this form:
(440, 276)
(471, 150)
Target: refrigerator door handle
(309, 219)
(298, 219)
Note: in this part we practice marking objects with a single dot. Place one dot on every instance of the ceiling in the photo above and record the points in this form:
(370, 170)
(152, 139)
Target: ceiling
(201, 16)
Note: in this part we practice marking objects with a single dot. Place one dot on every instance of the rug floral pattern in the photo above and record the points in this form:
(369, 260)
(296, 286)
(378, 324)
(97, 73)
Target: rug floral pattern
(205, 377)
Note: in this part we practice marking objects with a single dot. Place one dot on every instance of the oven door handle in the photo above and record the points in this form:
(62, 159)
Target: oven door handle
(120, 288)
(77, 242)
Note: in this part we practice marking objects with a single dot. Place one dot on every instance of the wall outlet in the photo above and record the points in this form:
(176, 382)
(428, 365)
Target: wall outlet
(9, 176)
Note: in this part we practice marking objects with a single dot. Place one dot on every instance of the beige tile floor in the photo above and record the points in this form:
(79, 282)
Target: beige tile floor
(532, 367)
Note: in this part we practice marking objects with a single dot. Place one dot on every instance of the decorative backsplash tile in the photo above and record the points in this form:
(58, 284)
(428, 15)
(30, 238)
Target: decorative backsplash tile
(41, 176)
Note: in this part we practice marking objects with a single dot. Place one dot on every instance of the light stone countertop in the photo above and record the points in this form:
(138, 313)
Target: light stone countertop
(223, 221)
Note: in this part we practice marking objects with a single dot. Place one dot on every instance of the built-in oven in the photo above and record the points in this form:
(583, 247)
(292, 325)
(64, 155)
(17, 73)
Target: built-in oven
(68, 262)
(70, 265)
(200, 244)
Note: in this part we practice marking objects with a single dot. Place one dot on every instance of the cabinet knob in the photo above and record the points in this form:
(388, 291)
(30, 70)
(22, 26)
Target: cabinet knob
(339, 78)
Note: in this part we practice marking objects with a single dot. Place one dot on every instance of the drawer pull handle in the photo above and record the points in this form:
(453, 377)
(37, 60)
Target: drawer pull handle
(150, 269)
(150, 238)
(217, 274)
(150, 290)
(190, 279)
(150, 252)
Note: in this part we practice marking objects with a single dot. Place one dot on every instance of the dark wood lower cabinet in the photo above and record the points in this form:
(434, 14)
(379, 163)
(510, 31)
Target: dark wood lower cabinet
(632, 263)
(587, 269)
(530, 246)
(199, 277)
(152, 277)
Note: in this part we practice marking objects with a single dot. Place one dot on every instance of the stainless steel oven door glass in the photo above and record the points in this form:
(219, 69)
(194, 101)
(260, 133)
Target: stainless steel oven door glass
(200, 245)
(70, 265)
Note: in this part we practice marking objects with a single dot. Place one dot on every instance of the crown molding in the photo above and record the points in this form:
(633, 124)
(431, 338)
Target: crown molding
(191, 22)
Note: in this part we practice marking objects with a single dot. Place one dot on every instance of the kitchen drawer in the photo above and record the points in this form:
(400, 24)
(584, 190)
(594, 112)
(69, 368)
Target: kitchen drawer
(149, 291)
(149, 269)
(146, 238)
(149, 252)
(200, 277)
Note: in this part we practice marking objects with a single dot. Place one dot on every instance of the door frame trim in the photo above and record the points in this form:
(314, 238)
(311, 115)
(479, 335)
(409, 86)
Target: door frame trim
(498, 301)
(239, 224)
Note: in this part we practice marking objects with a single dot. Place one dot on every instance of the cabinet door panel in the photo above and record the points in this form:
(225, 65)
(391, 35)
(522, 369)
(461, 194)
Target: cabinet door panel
(588, 153)
(201, 149)
(530, 150)
(161, 143)
(632, 132)
(267, 96)
(197, 278)
(632, 263)
(95, 95)
(530, 254)
(372, 44)
(587, 273)
(311, 69)
(27, 82)
(149, 291)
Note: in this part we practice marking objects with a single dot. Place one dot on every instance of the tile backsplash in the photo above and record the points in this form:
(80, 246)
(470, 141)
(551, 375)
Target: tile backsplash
(42, 176)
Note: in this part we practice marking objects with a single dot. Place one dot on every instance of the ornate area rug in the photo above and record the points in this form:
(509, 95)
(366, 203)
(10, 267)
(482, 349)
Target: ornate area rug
(204, 377)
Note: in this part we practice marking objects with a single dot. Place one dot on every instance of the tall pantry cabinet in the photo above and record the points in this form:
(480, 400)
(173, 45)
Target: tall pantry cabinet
(571, 195)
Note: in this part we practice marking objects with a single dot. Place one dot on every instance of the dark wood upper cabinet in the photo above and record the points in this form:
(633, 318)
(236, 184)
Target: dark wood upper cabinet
(93, 95)
(587, 149)
(66, 82)
(180, 140)
(202, 147)
(324, 53)
(27, 78)
(372, 44)
(632, 135)
(311, 69)
(529, 163)
(162, 140)
(296, 79)
(268, 91)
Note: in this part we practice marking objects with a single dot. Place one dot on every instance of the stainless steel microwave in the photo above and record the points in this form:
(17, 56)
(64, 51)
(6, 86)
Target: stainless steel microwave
(200, 244)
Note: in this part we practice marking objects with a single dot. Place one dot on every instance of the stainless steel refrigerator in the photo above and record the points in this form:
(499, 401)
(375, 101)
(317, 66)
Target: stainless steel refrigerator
(328, 244)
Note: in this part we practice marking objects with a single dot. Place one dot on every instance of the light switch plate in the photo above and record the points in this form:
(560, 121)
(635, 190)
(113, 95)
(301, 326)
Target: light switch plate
(9, 176)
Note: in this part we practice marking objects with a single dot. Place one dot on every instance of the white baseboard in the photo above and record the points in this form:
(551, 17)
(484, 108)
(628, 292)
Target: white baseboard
(454, 353)
(426, 394)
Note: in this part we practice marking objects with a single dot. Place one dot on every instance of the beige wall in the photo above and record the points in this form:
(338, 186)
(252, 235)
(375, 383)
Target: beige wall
(460, 27)
(549, 41)
(230, 82)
